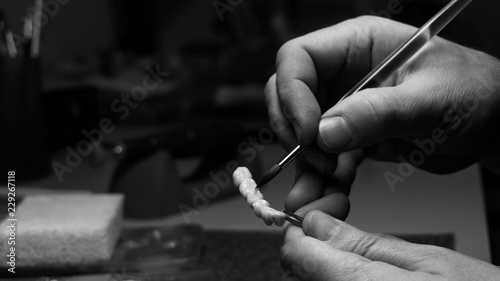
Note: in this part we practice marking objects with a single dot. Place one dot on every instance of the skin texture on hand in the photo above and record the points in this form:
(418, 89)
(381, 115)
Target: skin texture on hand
(443, 103)
(329, 249)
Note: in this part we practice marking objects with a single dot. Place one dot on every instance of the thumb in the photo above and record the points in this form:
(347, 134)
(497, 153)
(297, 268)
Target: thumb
(335, 255)
(374, 115)
(375, 247)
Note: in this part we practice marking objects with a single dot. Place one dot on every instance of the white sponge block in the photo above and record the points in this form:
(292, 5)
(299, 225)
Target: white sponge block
(59, 231)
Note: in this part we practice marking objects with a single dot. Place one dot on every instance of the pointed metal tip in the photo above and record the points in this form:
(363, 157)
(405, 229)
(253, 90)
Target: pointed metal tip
(269, 175)
(293, 218)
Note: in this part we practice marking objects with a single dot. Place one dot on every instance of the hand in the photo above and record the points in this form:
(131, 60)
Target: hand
(329, 249)
(438, 111)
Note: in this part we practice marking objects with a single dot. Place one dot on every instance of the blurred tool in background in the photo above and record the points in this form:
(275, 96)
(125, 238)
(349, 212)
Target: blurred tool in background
(22, 120)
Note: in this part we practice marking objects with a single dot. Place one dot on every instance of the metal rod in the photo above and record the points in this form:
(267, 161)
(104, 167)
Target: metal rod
(291, 156)
(293, 218)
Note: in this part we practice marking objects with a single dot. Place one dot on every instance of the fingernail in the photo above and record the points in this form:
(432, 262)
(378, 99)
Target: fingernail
(320, 225)
(335, 133)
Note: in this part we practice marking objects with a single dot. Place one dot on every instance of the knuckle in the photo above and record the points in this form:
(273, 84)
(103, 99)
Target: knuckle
(372, 21)
(384, 109)
(368, 24)
(438, 258)
(365, 244)
(286, 48)
(366, 18)
(340, 237)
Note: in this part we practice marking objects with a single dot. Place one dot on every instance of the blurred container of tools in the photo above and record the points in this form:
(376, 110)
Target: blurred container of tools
(24, 140)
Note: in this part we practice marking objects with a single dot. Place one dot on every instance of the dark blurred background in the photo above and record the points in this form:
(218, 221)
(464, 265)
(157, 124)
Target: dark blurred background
(218, 56)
